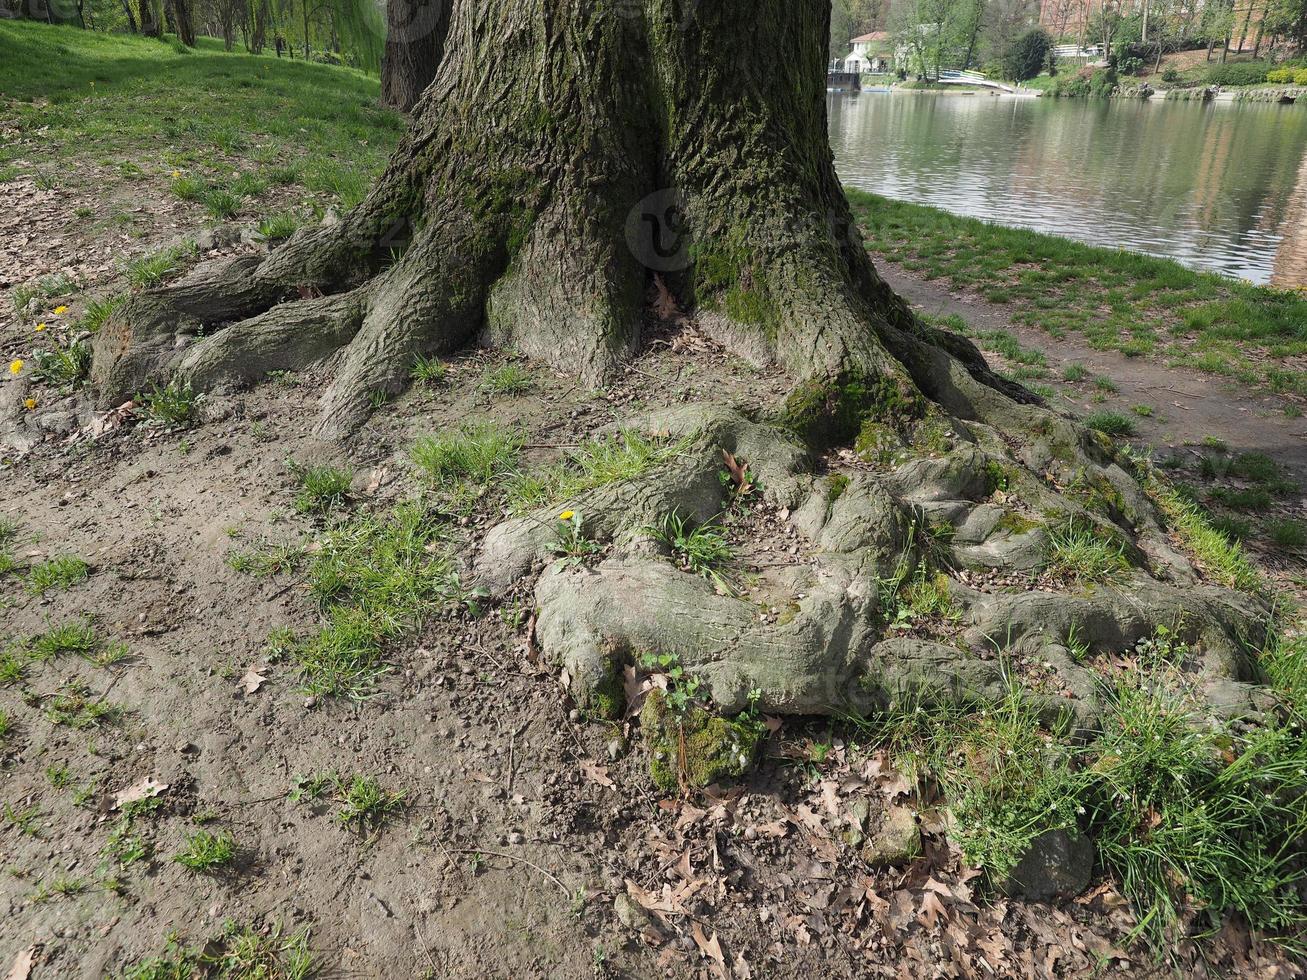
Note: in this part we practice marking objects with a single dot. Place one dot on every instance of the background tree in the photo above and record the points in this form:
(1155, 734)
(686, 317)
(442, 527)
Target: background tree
(1005, 22)
(415, 39)
(1027, 56)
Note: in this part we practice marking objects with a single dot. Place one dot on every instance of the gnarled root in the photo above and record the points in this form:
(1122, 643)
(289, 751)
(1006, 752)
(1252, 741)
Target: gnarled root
(837, 649)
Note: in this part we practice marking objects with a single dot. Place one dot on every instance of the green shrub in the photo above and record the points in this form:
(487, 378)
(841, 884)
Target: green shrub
(1027, 56)
(1280, 75)
(1240, 73)
(1300, 76)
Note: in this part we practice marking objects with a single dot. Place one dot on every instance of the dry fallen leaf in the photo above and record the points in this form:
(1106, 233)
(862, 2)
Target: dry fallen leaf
(710, 948)
(931, 909)
(142, 789)
(254, 679)
(596, 773)
(22, 964)
(739, 471)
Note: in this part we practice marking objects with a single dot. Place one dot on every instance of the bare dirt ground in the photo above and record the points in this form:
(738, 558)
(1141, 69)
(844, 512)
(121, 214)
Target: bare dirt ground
(531, 841)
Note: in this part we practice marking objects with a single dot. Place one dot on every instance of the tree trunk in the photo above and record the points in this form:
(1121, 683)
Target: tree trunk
(181, 15)
(415, 40)
(131, 17)
(149, 23)
(571, 160)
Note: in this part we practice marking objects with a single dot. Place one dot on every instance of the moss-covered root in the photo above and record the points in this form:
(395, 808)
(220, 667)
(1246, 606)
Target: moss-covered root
(873, 611)
(693, 748)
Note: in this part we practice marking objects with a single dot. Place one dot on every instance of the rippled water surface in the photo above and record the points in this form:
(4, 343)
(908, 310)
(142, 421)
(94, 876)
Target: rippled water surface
(1218, 187)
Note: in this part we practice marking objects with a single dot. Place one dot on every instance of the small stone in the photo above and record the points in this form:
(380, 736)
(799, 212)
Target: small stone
(616, 747)
(630, 914)
(1058, 864)
(574, 715)
(896, 841)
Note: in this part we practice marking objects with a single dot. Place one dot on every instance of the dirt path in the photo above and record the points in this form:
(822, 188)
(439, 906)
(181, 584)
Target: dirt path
(1189, 407)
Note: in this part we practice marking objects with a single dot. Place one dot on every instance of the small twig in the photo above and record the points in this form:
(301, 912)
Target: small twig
(417, 931)
(513, 857)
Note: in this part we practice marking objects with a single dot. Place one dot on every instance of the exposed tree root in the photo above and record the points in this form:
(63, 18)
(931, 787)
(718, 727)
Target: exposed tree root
(835, 650)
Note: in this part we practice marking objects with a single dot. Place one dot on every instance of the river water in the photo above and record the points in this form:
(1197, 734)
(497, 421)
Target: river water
(1219, 187)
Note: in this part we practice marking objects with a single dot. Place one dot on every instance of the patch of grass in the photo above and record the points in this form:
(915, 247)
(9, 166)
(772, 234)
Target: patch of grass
(60, 572)
(700, 549)
(6, 726)
(206, 851)
(1116, 299)
(365, 805)
(322, 488)
(1287, 533)
(267, 559)
(240, 953)
(80, 637)
(1244, 498)
(476, 453)
(66, 366)
(8, 531)
(1106, 384)
(428, 370)
(61, 887)
(13, 664)
(172, 404)
(187, 188)
(222, 204)
(280, 226)
(1111, 423)
(75, 706)
(1143, 411)
(1186, 814)
(1222, 559)
(248, 185)
(1075, 372)
(376, 578)
(1079, 552)
(153, 268)
(510, 379)
(593, 464)
(98, 312)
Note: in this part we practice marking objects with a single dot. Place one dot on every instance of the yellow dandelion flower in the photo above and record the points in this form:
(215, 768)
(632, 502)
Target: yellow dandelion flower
(60, 310)
(29, 403)
(566, 515)
(40, 327)
(16, 366)
(176, 173)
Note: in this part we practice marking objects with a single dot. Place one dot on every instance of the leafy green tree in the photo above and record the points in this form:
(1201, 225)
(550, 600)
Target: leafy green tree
(1027, 56)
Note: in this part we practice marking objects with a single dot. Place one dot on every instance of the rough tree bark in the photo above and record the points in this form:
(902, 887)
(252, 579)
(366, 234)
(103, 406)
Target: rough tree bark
(149, 21)
(415, 41)
(181, 15)
(567, 151)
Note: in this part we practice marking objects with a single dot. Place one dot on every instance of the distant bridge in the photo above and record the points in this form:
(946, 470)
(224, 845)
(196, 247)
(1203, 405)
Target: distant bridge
(953, 76)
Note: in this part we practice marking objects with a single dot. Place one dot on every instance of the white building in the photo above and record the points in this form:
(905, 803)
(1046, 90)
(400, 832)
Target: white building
(872, 54)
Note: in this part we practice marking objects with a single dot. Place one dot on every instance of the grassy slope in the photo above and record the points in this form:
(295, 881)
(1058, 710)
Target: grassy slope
(206, 112)
(1119, 300)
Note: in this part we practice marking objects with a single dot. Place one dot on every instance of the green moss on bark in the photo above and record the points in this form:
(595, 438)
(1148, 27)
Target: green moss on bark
(835, 411)
(695, 745)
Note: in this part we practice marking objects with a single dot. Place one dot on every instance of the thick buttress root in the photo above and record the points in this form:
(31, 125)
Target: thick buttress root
(837, 648)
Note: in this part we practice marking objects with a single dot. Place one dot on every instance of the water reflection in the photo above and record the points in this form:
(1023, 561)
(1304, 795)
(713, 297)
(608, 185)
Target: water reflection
(1220, 187)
